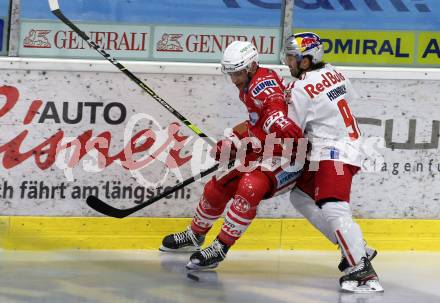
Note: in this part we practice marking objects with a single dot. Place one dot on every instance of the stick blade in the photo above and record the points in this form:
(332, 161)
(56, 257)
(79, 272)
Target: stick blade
(104, 208)
(54, 5)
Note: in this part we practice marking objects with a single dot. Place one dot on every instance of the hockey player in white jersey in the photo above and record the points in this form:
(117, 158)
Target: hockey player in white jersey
(319, 104)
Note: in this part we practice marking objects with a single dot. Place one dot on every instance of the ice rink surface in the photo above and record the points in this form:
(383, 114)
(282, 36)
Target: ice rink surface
(264, 276)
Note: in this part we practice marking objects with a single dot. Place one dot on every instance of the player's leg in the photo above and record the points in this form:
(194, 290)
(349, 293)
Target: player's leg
(252, 188)
(333, 196)
(302, 199)
(360, 275)
(216, 195)
(344, 265)
(307, 207)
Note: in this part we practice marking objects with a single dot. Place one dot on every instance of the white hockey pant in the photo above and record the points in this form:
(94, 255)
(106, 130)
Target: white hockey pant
(348, 233)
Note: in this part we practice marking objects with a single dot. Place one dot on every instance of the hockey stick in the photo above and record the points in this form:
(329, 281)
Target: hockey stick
(111, 211)
(93, 201)
(54, 7)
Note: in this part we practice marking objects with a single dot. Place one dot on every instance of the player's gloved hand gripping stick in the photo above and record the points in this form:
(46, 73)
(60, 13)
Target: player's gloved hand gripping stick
(95, 202)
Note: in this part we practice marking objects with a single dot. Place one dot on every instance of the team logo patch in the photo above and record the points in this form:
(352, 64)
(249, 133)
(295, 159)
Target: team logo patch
(263, 85)
(241, 204)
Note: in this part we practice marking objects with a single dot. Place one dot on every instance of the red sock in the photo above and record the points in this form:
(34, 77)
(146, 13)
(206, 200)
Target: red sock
(211, 205)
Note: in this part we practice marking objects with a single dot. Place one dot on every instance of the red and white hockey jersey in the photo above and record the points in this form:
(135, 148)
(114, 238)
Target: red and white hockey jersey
(320, 106)
(265, 101)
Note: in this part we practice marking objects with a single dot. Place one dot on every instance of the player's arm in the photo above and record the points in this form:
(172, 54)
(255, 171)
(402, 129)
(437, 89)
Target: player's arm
(231, 142)
(275, 119)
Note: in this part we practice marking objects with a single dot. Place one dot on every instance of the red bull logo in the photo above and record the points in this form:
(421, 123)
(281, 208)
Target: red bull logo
(307, 42)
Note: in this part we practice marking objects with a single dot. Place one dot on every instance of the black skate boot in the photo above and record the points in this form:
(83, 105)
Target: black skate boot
(344, 265)
(185, 241)
(361, 278)
(209, 257)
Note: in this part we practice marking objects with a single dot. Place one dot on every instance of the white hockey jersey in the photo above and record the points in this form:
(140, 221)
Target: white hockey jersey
(320, 106)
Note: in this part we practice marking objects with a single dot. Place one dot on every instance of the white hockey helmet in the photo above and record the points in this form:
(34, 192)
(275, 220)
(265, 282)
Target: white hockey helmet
(239, 55)
(305, 44)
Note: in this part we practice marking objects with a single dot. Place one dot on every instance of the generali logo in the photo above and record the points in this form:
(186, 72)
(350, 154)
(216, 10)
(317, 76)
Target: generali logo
(37, 38)
(212, 42)
(169, 43)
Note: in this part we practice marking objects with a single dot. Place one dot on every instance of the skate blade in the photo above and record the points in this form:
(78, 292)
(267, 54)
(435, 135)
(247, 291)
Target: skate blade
(186, 249)
(194, 267)
(370, 286)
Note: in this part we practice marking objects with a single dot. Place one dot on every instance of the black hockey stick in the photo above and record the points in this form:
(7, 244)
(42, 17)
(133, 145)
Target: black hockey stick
(54, 7)
(93, 201)
(111, 211)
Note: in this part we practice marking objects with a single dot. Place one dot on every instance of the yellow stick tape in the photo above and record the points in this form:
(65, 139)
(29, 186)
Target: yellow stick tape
(48, 233)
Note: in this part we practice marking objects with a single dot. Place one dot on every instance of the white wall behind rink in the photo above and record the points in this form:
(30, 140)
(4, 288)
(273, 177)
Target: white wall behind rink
(401, 105)
(151, 67)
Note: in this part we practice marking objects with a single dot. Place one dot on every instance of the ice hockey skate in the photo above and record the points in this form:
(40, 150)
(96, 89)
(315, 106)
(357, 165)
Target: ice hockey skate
(344, 265)
(361, 279)
(209, 257)
(185, 241)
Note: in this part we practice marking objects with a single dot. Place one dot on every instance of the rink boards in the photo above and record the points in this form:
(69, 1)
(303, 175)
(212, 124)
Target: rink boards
(45, 233)
(54, 102)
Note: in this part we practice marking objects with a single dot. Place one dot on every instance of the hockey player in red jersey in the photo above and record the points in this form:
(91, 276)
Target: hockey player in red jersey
(262, 92)
(319, 104)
